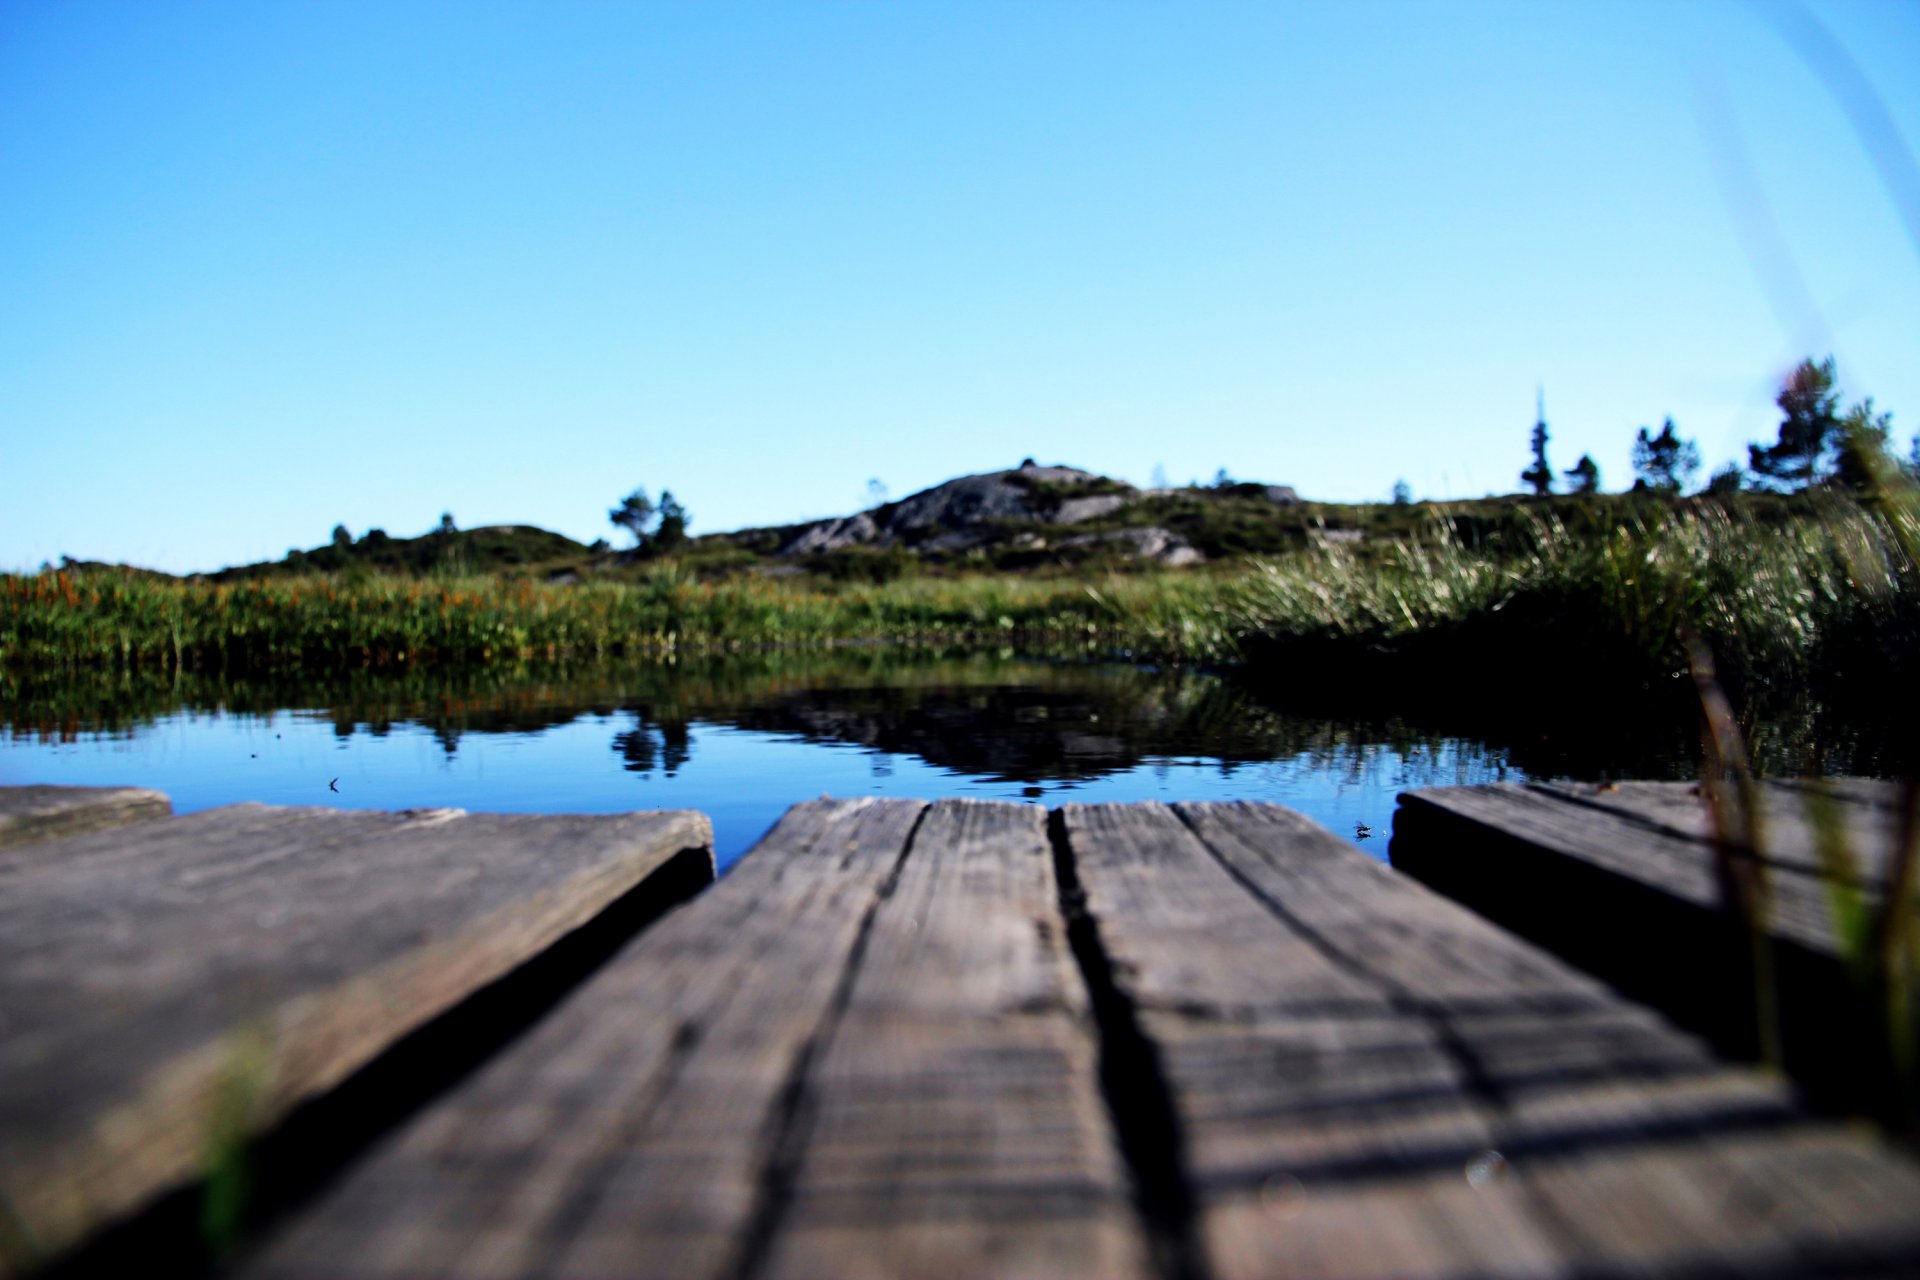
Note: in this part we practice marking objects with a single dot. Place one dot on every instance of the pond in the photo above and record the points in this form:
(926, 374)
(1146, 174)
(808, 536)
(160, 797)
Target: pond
(741, 738)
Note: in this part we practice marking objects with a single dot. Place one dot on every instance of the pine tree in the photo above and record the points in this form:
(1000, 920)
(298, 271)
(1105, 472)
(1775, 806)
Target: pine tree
(634, 514)
(1809, 431)
(1862, 452)
(1664, 463)
(1540, 474)
(673, 522)
(1584, 475)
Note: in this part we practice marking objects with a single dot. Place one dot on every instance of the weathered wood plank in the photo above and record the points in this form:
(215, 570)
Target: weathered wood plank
(1868, 807)
(633, 1128)
(1353, 1133)
(954, 1124)
(1658, 832)
(31, 814)
(161, 982)
(1621, 881)
(862, 1053)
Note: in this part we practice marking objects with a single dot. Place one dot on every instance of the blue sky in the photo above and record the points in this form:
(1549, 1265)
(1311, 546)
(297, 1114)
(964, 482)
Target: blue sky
(265, 268)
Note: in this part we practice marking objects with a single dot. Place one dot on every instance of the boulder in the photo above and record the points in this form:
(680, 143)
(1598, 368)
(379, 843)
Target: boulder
(831, 535)
(991, 495)
(953, 516)
(1163, 546)
(1074, 510)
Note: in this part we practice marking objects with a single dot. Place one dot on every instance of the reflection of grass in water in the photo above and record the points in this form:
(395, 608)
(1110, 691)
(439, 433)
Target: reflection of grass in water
(1145, 711)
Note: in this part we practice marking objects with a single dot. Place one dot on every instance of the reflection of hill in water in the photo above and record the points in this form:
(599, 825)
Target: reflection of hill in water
(1028, 723)
(977, 714)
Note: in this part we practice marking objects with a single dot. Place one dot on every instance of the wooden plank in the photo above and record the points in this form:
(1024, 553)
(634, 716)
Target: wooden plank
(1868, 807)
(862, 1053)
(632, 1129)
(1658, 832)
(1621, 881)
(32, 814)
(1376, 1082)
(955, 1121)
(162, 983)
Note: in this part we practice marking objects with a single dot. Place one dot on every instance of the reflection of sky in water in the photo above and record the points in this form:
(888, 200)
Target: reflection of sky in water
(742, 779)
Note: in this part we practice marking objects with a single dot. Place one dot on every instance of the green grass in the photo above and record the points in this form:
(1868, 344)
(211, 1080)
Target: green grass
(1769, 596)
(1781, 602)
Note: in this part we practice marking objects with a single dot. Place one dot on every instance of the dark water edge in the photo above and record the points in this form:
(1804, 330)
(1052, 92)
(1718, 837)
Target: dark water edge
(999, 715)
(744, 735)
(1562, 705)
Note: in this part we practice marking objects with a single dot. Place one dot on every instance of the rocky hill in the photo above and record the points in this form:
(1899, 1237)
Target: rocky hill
(1029, 508)
(1026, 517)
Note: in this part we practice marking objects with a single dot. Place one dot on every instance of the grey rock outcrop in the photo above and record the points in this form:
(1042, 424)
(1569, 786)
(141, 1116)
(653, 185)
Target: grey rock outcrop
(831, 535)
(1075, 510)
(1163, 546)
(954, 516)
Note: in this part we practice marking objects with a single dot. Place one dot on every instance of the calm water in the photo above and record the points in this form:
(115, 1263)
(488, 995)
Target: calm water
(739, 740)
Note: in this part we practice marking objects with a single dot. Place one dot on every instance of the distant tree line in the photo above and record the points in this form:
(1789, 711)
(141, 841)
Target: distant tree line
(1818, 444)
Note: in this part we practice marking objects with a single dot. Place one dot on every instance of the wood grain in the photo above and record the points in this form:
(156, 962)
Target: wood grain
(1657, 833)
(630, 1132)
(32, 814)
(1372, 1081)
(954, 1126)
(1621, 880)
(862, 1053)
(164, 983)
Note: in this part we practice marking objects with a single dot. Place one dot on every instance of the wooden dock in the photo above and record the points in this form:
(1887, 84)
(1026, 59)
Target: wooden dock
(1620, 879)
(897, 1039)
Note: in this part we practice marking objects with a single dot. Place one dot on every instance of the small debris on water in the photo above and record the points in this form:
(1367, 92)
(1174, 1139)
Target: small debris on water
(1487, 1167)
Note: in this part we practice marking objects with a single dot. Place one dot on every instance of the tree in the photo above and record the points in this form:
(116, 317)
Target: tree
(1862, 453)
(1664, 463)
(1809, 430)
(634, 514)
(1584, 475)
(673, 523)
(877, 492)
(446, 524)
(1221, 479)
(1402, 493)
(1540, 474)
(341, 538)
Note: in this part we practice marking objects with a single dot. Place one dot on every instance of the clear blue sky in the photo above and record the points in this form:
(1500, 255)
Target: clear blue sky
(265, 268)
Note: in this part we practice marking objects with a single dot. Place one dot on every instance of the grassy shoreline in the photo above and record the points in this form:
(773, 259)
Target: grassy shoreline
(1831, 592)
